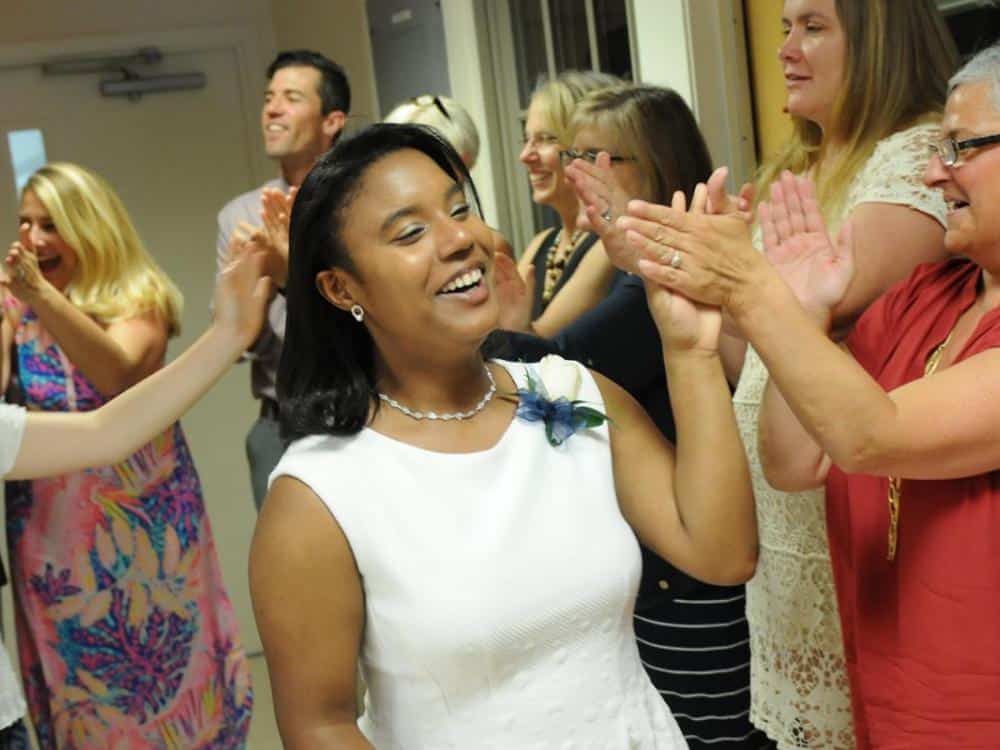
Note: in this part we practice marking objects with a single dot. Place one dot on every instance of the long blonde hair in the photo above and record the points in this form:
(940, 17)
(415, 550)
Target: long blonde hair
(897, 61)
(116, 278)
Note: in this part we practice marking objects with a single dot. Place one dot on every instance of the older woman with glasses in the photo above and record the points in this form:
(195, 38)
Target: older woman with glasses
(903, 435)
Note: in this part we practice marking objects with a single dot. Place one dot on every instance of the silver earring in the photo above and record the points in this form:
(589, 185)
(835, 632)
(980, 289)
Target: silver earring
(358, 312)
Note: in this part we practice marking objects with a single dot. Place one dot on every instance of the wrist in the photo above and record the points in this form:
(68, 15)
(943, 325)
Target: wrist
(230, 339)
(43, 295)
(693, 354)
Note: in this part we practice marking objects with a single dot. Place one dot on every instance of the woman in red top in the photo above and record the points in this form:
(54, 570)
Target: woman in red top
(906, 435)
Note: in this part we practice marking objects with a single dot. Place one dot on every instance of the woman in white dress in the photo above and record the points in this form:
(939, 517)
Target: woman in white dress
(38, 444)
(422, 525)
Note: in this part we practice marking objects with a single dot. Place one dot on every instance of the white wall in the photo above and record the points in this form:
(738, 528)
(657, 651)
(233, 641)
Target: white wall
(467, 66)
(231, 28)
(697, 48)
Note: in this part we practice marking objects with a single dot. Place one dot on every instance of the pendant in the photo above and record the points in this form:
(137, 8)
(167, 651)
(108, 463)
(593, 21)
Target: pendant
(895, 498)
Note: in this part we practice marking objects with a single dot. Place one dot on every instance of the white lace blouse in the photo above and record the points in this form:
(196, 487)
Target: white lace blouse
(798, 682)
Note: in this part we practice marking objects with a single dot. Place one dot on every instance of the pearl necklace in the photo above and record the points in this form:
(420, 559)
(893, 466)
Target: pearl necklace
(457, 415)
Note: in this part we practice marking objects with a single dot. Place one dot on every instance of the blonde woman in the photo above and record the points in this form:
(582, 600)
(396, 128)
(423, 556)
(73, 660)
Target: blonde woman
(125, 631)
(866, 83)
(565, 265)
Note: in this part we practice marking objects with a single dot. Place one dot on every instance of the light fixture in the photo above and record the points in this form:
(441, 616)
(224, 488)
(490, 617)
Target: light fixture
(101, 63)
(128, 82)
(134, 86)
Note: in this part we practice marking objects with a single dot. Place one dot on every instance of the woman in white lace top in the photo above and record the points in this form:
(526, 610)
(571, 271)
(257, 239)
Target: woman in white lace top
(865, 84)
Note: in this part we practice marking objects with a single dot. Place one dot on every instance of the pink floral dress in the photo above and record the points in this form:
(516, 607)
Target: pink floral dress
(126, 636)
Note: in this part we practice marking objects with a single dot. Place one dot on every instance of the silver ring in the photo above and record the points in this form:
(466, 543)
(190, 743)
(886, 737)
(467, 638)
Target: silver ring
(675, 259)
(19, 273)
(607, 214)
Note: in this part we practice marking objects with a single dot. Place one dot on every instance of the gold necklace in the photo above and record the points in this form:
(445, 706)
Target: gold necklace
(556, 261)
(895, 483)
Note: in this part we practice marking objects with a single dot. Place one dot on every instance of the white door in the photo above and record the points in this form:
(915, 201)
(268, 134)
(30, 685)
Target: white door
(175, 159)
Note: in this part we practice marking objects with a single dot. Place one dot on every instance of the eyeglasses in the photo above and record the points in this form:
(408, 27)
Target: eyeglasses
(425, 100)
(570, 154)
(948, 148)
(539, 140)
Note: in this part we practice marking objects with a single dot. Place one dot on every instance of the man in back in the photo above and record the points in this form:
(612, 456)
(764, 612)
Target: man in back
(305, 108)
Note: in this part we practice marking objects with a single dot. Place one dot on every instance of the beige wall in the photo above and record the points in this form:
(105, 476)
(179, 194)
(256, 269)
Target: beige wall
(44, 20)
(340, 31)
(763, 19)
(31, 30)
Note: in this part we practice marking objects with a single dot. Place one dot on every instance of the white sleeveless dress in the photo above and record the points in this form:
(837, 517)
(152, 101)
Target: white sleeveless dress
(499, 588)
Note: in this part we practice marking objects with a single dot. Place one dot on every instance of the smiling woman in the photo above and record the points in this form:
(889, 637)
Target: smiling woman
(90, 313)
(555, 255)
(481, 577)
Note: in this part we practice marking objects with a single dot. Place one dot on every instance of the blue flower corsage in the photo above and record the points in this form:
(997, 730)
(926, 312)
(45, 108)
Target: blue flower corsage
(551, 398)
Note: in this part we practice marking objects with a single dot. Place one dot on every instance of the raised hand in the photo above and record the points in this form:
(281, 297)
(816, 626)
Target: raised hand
(603, 199)
(706, 258)
(241, 296)
(684, 325)
(23, 277)
(514, 292)
(817, 268)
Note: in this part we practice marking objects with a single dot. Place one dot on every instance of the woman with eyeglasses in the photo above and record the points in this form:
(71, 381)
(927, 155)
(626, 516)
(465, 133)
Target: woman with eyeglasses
(865, 85)
(902, 429)
(691, 636)
(565, 268)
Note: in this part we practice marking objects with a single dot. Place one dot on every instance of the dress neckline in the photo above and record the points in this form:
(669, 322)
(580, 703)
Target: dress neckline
(369, 432)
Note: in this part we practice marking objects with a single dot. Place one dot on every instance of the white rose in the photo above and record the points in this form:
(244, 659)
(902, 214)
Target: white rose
(560, 378)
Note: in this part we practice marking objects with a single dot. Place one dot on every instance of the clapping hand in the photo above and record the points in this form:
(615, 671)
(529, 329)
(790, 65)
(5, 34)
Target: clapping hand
(817, 268)
(603, 199)
(684, 325)
(276, 213)
(21, 275)
(720, 202)
(515, 293)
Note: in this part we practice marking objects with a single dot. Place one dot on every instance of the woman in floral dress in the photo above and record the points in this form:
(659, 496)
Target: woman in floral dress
(126, 634)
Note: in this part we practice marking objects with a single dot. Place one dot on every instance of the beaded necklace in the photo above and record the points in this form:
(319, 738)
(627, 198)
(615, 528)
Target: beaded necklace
(556, 261)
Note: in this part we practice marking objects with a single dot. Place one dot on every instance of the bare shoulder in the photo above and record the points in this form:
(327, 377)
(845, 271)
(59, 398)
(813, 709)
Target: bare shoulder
(623, 409)
(295, 524)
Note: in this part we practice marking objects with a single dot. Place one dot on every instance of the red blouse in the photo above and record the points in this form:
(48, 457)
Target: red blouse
(921, 633)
